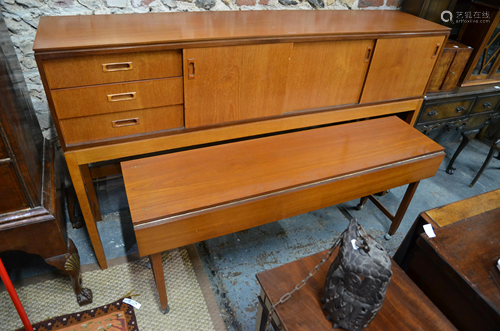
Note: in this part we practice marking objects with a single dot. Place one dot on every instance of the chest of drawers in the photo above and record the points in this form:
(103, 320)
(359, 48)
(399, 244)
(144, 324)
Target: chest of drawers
(128, 85)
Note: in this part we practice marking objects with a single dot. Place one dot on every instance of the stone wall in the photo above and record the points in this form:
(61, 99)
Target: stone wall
(21, 17)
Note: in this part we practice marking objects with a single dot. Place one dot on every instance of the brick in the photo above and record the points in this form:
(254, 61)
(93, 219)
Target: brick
(246, 2)
(370, 3)
(263, 2)
(394, 3)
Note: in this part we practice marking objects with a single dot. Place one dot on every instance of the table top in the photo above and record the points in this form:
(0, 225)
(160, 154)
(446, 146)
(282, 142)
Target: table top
(469, 242)
(186, 181)
(405, 306)
(99, 31)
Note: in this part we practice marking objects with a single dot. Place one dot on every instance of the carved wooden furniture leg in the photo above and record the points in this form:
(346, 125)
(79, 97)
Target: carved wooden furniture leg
(466, 137)
(361, 203)
(156, 265)
(70, 264)
(494, 146)
(88, 215)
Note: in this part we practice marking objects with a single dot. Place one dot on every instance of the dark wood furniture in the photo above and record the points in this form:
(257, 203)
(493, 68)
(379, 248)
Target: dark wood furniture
(190, 196)
(446, 116)
(405, 306)
(128, 85)
(31, 217)
(456, 269)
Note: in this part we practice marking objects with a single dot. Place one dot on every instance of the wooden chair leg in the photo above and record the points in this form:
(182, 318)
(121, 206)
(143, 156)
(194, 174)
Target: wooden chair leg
(410, 191)
(157, 268)
(495, 146)
(466, 137)
(361, 203)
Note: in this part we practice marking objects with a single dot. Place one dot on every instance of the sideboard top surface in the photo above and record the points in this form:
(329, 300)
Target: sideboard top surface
(101, 31)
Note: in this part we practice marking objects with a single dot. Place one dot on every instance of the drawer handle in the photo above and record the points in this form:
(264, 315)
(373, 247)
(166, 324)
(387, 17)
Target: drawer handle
(127, 122)
(487, 104)
(122, 96)
(191, 68)
(368, 53)
(432, 113)
(436, 51)
(121, 66)
(460, 109)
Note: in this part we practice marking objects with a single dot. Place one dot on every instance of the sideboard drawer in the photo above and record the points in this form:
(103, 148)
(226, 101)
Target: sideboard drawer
(99, 127)
(486, 103)
(112, 98)
(441, 111)
(111, 68)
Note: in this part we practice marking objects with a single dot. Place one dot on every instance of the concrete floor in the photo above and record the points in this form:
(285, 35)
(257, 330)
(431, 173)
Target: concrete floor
(232, 261)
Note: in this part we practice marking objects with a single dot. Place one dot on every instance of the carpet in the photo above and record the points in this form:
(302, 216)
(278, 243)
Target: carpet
(116, 316)
(189, 299)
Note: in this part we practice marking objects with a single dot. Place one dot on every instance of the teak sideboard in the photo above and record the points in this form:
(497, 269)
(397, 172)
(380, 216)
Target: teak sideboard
(129, 85)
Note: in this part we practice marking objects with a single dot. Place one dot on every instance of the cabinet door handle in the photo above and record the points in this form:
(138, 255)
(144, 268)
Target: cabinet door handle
(122, 96)
(191, 68)
(460, 109)
(369, 50)
(432, 113)
(126, 122)
(487, 104)
(110, 67)
(436, 51)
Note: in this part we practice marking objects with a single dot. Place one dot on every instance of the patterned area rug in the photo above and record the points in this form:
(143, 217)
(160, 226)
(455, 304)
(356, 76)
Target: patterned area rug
(188, 308)
(117, 316)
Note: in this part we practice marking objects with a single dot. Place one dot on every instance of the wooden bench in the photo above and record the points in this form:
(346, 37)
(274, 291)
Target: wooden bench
(182, 198)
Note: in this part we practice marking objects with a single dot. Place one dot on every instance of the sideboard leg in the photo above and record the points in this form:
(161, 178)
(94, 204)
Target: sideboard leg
(410, 191)
(361, 203)
(157, 267)
(495, 146)
(466, 137)
(88, 216)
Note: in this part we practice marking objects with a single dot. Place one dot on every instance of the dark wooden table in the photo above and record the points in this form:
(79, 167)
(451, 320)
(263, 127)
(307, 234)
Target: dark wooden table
(405, 306)
(456, 269)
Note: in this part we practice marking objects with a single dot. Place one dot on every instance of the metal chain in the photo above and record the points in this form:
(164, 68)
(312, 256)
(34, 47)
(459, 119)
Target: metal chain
(303, 282)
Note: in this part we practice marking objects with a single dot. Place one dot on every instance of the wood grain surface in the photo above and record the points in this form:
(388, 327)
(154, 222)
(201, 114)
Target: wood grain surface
(98, 127)
(323, 74)
(405, 306)
(88, 70)
(235, 83)
(93, 100)
(97, 31)
(218, 174)
(401, 68)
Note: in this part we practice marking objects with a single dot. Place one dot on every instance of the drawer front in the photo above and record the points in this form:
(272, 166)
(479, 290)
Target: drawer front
(112, 98)
(486, 103)
(11, 194)
(112, 68)
(434, 112)
(100, 127)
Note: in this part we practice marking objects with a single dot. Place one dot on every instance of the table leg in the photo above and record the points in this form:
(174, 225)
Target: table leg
(495, 146)
(466, 137)
(157, 267)
(410, 191)
(92, 196)
(361, 203)
(88, 216)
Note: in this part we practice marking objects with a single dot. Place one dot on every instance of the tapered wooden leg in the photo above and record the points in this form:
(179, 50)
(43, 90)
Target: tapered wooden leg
(410, 191)
(70, 264)
(92, 196)
(466, 137)
(495, 146)
(157, 267)
(88, 216)
(361, 203)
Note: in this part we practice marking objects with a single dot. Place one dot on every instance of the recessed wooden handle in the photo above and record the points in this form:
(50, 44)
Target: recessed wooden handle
(121, 66)
(191, 68)
(122, 96)
(126, 122)
(436, 51)
(368, 53)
